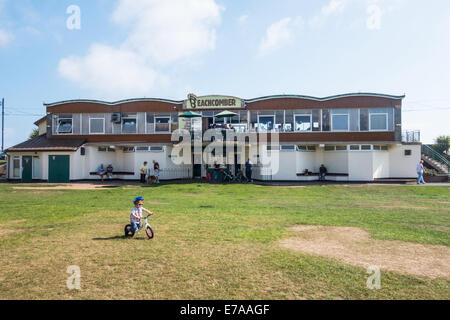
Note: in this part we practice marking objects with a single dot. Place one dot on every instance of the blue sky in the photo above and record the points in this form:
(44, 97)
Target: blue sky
(251, 48)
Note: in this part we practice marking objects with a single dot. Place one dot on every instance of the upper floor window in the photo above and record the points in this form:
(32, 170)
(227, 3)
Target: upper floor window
(303, 123)
(339, 121)
(129, 123)
(97, 125)
(379, 121)
(266, 123)
(162, 124)
(64, 124)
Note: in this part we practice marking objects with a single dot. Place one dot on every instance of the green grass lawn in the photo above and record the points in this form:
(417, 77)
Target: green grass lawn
(211, 241)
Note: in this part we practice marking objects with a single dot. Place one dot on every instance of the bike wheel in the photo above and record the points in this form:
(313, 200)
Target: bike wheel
(128, 232)
(149, 232)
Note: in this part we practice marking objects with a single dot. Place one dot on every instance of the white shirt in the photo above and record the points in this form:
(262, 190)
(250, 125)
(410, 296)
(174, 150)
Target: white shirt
(136, 212)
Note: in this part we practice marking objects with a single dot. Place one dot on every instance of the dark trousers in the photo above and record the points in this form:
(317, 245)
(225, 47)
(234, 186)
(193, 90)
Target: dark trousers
(248, 173)
(143, 177)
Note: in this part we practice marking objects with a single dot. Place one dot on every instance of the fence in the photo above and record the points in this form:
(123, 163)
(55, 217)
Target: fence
(174, 173)
(411, 136)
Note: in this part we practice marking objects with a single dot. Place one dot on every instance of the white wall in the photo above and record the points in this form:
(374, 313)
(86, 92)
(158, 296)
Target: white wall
(380, 164)
(402, 166)
(360, 166)
(336, 161)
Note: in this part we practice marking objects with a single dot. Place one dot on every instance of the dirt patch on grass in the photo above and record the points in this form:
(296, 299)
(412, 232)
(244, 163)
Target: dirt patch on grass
(68, 187)
(354, 246)
(5, 232)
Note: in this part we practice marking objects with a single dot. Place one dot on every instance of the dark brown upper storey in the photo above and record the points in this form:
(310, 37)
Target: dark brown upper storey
(348, 101)
(282, 102)
(141, 105)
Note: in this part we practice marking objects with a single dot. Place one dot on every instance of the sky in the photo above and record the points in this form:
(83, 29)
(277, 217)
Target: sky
(54, 50)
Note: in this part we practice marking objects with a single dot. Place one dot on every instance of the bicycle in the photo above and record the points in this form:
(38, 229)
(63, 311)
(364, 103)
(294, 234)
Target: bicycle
(148, 229)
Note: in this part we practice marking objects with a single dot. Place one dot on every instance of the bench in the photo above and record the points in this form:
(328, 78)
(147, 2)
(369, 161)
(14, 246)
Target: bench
(313, 176)
(115, 173)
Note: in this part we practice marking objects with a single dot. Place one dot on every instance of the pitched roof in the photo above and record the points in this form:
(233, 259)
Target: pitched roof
(41, 143)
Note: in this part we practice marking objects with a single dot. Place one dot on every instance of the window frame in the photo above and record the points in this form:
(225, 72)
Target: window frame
(129, 118)
(58, 119)
(332, 122)
(303, 115)
(155, 119)
(19, 158)
(377, 114)
(104, 125)
(267, 116)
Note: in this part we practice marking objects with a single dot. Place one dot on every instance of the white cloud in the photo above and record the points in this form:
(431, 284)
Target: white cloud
(110, 71)
(169, 30)
(277, 35)
(333, 7)
(374, 17)
(161, 32)
(5, 37)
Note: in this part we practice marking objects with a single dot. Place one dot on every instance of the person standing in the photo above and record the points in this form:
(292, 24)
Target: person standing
(248, 170)
(420, 171)
(143, 171)
(322, 172)
(156, 170)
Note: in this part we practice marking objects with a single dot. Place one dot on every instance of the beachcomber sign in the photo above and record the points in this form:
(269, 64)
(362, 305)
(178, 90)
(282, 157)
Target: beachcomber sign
(213, 102)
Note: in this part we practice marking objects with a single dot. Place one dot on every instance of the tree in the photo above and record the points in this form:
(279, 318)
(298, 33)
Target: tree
(34, 133)
(441, 144)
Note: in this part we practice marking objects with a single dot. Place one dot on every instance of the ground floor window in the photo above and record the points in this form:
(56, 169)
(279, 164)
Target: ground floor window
(36, 172)
(16, 167)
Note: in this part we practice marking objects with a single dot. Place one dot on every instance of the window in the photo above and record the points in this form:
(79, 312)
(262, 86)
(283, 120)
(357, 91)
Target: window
(326, 120)
(287, 148)
(339, 122)
(354, 147)
(364, 119)
(379, 121)
(16, 167)
(111, 149)
(97, 125)
(266, 123)
(36, 173)
(162, 124)
(330, 148)
(341, 148)
(156, 149)
(303, 123)
(311, 148)
(375, 147)
(129, 123)
(384, 148)
(64, 125)
(102, 149)
(302, 148)
(128, 149)
(408, 152)
(366, 147)
(141, 149)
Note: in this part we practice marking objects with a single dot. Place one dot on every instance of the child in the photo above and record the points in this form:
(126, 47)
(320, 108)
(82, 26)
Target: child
(136, 213)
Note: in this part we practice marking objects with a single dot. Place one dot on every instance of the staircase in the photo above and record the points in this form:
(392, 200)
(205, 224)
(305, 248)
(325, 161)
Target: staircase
(435, 160)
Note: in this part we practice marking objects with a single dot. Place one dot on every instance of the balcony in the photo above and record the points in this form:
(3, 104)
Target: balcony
(411, 136)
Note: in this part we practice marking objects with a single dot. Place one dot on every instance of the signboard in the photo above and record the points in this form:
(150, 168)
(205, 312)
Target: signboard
(185, 123)
(213, 102)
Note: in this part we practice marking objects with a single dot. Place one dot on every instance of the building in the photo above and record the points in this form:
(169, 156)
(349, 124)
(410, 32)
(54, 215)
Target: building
(358, 137)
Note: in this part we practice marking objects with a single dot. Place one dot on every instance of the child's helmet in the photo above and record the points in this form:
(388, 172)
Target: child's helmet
(138, 199)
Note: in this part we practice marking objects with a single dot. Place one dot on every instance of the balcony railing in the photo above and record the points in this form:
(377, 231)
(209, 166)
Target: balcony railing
(411, 136)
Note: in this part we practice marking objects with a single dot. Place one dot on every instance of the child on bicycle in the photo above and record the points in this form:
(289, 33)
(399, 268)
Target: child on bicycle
(136, 213)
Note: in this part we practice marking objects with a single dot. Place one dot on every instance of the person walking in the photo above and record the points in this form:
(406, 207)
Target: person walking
(420, 171)
(156, 170)
(248, 170)
(322, 172)
(143, 171)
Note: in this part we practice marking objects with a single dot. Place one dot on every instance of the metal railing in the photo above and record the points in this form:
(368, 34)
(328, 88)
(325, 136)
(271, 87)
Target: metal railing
(411, 136)
(436, 156)
(174, 173)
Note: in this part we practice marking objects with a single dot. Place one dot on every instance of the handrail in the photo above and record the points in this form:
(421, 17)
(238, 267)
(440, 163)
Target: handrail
(433, 154)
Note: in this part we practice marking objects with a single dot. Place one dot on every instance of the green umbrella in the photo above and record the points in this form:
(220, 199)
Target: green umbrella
(190, 114)
(225, 114)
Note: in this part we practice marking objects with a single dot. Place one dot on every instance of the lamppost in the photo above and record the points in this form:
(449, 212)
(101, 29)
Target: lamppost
(3, 123)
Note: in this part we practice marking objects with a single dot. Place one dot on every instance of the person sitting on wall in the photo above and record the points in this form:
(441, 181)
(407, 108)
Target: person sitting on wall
(109, 171)
(101, 171)
(322, 172)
